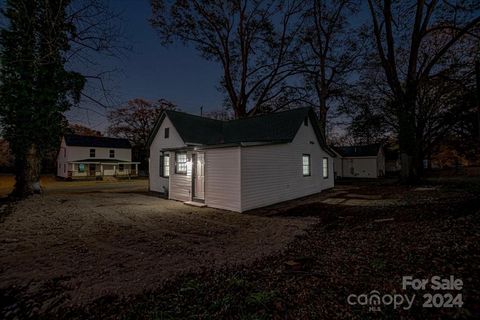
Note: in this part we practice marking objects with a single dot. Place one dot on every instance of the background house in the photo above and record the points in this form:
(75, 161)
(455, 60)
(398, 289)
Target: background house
(362, 161)
(240, 164)
(90, 156)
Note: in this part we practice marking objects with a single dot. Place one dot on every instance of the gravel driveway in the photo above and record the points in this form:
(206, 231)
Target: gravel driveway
(95, 244)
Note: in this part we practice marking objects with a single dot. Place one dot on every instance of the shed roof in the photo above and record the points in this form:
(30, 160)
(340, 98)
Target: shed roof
(370, 150)
(279, 127)
(75, 140)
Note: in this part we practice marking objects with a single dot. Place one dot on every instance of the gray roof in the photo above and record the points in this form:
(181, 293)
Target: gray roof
(370, 150)
(280, 127)
(75, 140)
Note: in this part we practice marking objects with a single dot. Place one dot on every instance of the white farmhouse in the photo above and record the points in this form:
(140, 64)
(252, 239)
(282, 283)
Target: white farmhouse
(240, 164)
(91, 157)
(364, 161)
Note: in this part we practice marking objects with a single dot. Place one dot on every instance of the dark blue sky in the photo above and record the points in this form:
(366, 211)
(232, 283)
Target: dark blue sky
(150, 71)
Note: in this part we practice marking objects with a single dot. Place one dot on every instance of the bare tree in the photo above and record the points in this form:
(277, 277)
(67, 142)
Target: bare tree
(330, 52)
(255, 41)
(413, 40)
(135, 122)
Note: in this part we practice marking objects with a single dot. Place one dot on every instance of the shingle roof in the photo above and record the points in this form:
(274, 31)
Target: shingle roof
(269, 128)
(96, 142)
(370, 150)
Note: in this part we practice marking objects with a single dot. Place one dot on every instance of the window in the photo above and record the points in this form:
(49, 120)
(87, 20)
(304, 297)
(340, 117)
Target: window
(92, 153)
(167, 133)
(64, 168)
(112, 153)
(120, 167)
(164, 165)
(81, 168)
(305, 121)
(65, 152)
(181, 163)
(325, 168)
(306, 165)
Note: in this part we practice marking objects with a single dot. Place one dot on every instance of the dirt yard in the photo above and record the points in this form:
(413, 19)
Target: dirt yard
(111, 255)
(96, 244)
(51, 185)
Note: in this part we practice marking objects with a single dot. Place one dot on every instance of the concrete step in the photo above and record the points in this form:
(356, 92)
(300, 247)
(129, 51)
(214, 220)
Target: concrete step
(195, 204)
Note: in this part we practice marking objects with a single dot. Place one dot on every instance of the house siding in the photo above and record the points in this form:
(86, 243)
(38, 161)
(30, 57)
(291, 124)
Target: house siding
(222, 178)
(156, 182)
(273, 173)
(81, 153)
(68, 154)
(360, 167)
(180, 187)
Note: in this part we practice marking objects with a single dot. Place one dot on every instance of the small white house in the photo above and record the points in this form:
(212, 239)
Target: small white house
(240, 164)
(91, 157)
(365, 161)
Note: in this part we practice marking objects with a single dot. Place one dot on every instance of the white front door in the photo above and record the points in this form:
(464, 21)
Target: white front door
(198, 176)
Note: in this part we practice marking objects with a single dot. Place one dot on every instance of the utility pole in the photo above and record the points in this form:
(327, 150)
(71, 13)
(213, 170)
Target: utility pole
(201, 111)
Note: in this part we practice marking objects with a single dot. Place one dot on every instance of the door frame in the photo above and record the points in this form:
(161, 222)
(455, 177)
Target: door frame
(94, 166)
(194, 176)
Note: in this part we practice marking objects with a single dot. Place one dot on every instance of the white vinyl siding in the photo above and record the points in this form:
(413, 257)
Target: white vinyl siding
(181, 184)
(274, 173)
(158, 183)
(222, 178)
(359, 167)
(69, 154)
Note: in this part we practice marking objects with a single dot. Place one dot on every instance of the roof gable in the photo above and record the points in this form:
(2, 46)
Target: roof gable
(74, 140)
(280, 127)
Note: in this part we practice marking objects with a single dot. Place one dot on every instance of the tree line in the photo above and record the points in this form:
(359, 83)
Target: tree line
(402, 69)
(398, 68)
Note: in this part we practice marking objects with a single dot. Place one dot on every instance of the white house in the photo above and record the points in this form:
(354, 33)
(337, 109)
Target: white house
(240, 164)
(90, 157)
(365, 161)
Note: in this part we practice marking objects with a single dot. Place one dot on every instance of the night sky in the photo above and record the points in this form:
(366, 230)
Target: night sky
(150, 71)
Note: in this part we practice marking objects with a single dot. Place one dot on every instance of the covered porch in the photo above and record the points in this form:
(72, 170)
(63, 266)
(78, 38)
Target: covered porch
(102, 167)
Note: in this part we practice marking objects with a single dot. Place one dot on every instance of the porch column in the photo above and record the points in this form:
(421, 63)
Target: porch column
(136, 169)
(114, 170)
(101, 169)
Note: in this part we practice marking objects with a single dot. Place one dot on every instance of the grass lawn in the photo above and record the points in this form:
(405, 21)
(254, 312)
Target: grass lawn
(366, 237)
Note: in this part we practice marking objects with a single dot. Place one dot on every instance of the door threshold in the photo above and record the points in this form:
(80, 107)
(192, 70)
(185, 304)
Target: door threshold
(195, 204)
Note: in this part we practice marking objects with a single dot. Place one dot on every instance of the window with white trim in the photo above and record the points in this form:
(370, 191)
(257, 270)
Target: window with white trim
(306, 165)
(325, 167)
(92, 153)
(112, 154)
(181, 163)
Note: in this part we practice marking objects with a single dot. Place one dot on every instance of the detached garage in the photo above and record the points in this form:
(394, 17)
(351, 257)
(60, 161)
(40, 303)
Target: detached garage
(364, 161)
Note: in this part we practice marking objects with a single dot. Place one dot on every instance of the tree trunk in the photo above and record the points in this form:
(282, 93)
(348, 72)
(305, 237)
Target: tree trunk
(27, 173)
(477, 73)
(409, 153)
(323, 117)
